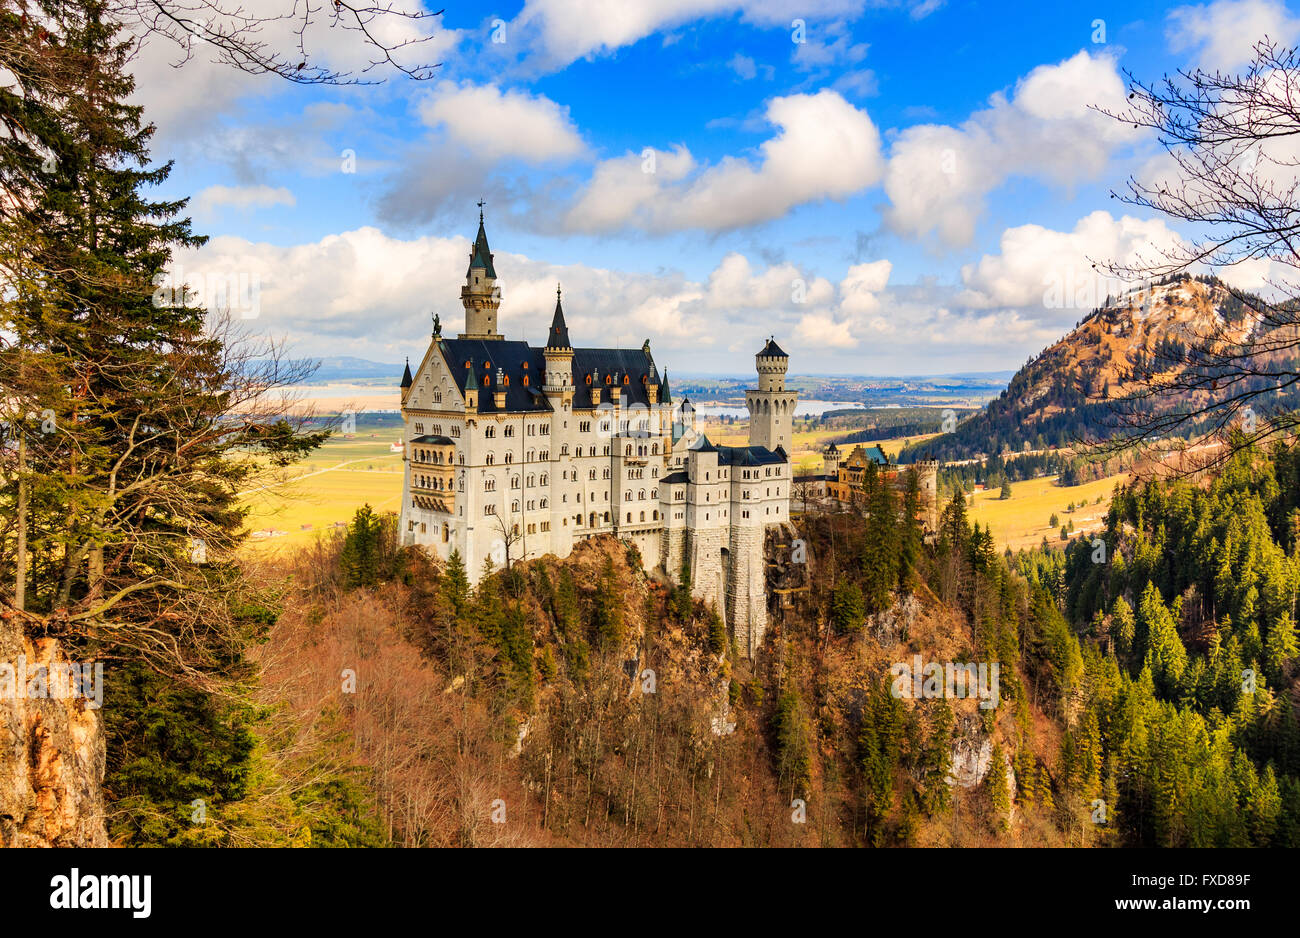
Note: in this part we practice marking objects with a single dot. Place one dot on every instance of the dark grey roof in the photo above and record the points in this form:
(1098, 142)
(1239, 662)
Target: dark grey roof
(485, 358)
(673, 478)
(406, 375)
(511, 356)
(481, 256)
(433, 440)
(558, 337)
(772, 350)
(749, 456)
(614, 364)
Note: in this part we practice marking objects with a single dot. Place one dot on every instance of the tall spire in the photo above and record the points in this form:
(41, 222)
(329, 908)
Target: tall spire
(406, 375)
(481, 255)
(559, 335)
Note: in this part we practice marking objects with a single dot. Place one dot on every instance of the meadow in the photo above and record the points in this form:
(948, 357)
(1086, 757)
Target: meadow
(297, 505)
(1023, 520)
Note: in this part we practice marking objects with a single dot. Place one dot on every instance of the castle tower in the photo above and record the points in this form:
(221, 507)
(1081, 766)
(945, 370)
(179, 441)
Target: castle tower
(558, 381)
(480, 295)
(831, 461)
(771, 407)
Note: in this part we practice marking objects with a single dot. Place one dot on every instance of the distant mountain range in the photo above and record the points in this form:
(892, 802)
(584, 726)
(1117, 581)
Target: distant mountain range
(348, 368)
(873, 390)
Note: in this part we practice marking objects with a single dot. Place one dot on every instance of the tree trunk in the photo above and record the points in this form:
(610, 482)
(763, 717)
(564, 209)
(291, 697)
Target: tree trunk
(20, 577)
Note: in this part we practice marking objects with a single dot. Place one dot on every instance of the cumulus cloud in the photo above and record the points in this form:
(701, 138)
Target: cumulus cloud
(1223, 34)
(825, 149)
(938, 176)
(1039, 269)
(376, 293)
(210, 200)
(495, 124)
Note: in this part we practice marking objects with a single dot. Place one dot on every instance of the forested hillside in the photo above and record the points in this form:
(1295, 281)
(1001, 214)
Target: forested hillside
(586, 702)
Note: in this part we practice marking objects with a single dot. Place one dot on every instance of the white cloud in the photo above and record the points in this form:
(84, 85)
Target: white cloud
(563, 31)
(1223, 34)
(938, 176)
(495, 125)
(825, 149)
(1039, 268)
(207, 202)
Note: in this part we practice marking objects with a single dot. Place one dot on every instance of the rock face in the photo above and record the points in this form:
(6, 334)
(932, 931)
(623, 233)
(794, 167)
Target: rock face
(51, 759)
(972, 753)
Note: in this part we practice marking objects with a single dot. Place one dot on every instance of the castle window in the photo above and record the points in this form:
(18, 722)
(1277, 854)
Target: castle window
(591, 474)
(510, 430)
(643, 516)
(489, 485)
(487, 381)
(627, 379)
(510, 457)
(629, 517)
(490, 432)
(526, 385)
(607, 517)
(589, 379)
(514, 505)
(584, 426)
(564, 449)
(544, 503)
(491, 459)
(514, 482)
(419, 429)
(545, 477)
(489, 509)
(506, 379)
(654, 516)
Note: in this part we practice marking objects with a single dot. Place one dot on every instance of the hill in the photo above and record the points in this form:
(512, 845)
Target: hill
(1068, 393)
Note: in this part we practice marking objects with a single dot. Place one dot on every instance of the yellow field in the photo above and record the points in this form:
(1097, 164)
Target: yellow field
(1022, 520)
(323, 490)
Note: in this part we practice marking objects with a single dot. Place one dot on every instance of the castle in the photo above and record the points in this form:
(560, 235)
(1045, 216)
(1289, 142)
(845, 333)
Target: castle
(843, 480)
(513, 452)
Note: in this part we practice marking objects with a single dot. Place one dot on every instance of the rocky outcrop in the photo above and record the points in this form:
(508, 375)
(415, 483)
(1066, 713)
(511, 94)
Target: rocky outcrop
(972, 753)
(51, 757)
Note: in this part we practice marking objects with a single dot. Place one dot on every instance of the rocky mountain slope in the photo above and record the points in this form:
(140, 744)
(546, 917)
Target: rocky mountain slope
(1067, 393)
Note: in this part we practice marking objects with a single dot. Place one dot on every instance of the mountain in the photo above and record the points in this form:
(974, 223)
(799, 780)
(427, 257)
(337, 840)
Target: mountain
(1067, 393)
(345, 367)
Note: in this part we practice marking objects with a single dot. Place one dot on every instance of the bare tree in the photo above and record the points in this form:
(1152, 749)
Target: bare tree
(285, 37)
(1233, 176)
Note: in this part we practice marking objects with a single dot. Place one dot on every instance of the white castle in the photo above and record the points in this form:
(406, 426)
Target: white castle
(513, 452)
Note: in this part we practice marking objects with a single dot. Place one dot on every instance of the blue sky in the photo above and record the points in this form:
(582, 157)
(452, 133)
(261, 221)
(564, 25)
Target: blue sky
(890, 188)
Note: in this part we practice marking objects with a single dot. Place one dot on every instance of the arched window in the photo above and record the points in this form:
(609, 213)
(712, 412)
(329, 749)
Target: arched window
(510, 457)
(490, 459)
(643, 516)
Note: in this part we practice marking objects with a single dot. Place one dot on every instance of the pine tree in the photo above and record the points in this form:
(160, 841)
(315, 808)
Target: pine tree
(999, 794)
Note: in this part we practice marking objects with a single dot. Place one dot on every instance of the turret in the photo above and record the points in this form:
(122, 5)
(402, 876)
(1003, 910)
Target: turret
(406, 381)
(831, 460)
(480, 295)
(771, 406)
(558, 354)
